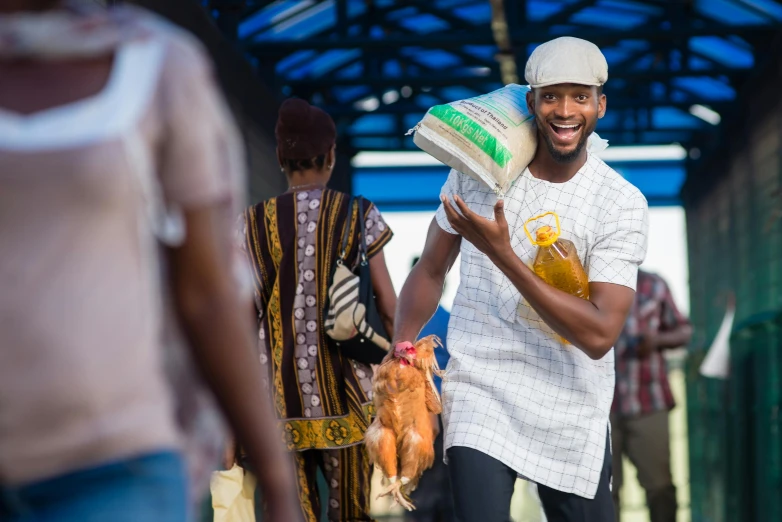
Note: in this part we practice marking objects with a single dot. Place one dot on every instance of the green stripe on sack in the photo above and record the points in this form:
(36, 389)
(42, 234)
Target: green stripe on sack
(471, 130)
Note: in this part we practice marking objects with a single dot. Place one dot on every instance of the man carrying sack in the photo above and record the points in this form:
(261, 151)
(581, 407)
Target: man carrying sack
(517, 400)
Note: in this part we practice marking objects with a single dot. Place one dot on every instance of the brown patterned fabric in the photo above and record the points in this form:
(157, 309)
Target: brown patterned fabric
(348, 476)
(292, 243)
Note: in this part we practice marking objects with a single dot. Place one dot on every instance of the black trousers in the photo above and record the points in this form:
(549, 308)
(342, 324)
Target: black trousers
(432, 498)
(483, 486)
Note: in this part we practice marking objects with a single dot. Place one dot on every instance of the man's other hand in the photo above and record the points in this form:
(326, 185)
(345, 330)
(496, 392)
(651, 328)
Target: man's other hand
(490, 237)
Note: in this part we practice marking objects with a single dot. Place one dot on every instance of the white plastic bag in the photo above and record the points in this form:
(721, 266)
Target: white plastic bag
(716, 364)
(233, 495)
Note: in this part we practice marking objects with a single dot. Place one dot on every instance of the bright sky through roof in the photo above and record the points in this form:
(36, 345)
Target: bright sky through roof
(673, 152)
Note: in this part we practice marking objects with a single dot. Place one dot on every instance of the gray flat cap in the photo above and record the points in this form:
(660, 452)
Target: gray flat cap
(566, 60)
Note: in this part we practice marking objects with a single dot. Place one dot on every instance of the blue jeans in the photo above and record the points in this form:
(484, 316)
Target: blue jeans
(150, 488)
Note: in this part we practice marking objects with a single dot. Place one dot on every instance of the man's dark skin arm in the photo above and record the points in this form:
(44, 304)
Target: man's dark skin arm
(679, 336)
(423, 288)
(592, 326)
(215, 320)
(655, 340)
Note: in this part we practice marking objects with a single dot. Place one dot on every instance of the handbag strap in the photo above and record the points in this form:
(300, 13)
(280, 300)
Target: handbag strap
(346, 232)
(362, 246)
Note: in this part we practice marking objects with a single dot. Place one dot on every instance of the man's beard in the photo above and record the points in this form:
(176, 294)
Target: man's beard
(565, 157)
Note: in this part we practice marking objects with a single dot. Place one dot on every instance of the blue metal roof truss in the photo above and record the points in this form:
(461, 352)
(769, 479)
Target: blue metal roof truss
(377, 65)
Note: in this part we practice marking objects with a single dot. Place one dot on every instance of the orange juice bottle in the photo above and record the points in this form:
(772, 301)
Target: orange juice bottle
(557, 260)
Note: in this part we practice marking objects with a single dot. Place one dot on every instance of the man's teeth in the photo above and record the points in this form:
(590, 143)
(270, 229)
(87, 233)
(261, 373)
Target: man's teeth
(560, 126)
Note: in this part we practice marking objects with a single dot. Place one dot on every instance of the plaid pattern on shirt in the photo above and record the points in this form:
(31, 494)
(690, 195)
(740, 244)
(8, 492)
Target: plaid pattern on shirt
(642, 384)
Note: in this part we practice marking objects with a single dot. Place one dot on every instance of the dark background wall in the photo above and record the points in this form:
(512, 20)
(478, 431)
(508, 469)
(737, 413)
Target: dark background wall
(252, 100)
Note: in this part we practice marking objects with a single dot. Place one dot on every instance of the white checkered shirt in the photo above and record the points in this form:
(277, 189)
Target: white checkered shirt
(512, 390)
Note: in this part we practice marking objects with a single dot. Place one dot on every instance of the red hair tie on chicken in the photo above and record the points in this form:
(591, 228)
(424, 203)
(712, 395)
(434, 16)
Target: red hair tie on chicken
(405, 352)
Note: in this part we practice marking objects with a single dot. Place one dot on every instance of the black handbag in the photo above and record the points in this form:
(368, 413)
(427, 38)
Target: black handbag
(352, 323)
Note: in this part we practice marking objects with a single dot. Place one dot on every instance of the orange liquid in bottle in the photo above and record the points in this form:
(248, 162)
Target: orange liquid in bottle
(557, 261)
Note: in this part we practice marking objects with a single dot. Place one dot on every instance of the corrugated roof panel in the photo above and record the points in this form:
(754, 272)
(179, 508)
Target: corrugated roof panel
(317, 18)
(740, 42)
(611, 118)
(700, 64)
(424, 23)
(433, 58)
(657, 90)
(450, 4)
(769, 7)
(618, 83)
(356, 8)
(302, 19)
(602, 17)
(426, 101)
(483, 52)
(401, 13)
(728, 12)
(272, 14)
(630, 6)
(560, 30)
(377, 32)
(392, 69)
(324, 64)
(298, 20)
(351, 71)
(678, 96)
(476, 13)
(673, 118)
(616, 54)
(705, 87)
(538, 10)
(722, 51)
(457, 93)
(373, 124)
(636, 45)
(349, 94)
(640, 64)
(294, 60)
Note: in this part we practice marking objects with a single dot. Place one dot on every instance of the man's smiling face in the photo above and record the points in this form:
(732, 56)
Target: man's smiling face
(566, 114)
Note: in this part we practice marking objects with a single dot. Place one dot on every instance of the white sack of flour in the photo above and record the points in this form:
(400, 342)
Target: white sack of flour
(491, 138)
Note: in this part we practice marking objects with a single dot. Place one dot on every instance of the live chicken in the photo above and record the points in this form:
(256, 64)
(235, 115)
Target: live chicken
(401, 438)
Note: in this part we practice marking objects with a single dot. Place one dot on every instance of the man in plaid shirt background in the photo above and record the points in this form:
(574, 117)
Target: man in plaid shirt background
(643, 398)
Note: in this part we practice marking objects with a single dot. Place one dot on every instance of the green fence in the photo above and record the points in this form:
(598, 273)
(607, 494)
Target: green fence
(734, 426)
(734, 225)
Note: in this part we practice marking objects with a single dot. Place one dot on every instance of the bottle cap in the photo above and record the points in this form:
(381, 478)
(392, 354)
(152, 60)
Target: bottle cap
(545, 235)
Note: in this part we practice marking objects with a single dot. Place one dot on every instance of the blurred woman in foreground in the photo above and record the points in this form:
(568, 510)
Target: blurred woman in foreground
(293, 241)
(113, 140)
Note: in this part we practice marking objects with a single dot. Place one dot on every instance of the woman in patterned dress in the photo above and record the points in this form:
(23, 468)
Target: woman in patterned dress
(292, 241)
